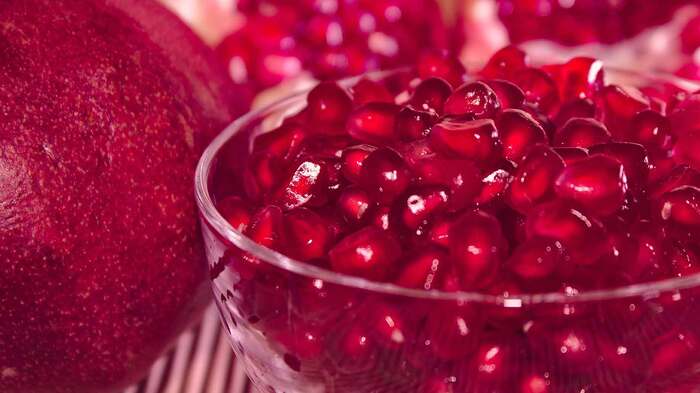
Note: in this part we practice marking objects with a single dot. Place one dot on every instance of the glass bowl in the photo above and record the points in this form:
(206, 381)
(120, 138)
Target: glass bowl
(298, 328)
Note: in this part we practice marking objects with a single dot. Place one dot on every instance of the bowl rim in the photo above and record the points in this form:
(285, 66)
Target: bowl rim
(210, 216)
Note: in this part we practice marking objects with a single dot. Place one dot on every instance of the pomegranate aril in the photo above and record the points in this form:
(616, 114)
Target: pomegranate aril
(462, 177)
(475, 139)
(424, 270)
(620, 105)
(367, 90)
(649, 259)
(352, 160)
(580, 78)
(584, 108)
(505, 62)
(571, 154)
(598, 183)
(581, 132)
(415, 151)
(684, 261)
(387, 326)
(632, 156)
(453, 331)
(309, 236)
(681, 175)
(494, 186)
(574, 349)
(382, 218)
(540, 90)
(412, 124)
(373, 122)
(673, 351)
(537, 258)
(438, 385)
(267, 228)
(441, 65)
(421, 205)
(475, 98)
(509, 94)
(490, 363)
(533, 180)
(236, 211)
(284, 141)
(329, 103)
(430, 95)
(687, 149)
(262, 174)
(385, 175)
(354, 204)
(369, 253)
(518, 131)
(477, 247)
(303, 342)
(439, 233)
(308, 181)
(652, 130)
(681, 206)
(537, 383)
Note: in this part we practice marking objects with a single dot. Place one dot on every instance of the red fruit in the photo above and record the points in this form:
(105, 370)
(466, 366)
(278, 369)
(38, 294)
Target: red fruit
(460, 176)
(571, 154)
(673, 352)
(354, 204)
(267, 228)
(284, 142)
(478, 248)
(505, 62)
(412, 124)
(440, 231)
(367, 90)
(437, 385)
(308, 181)
(373, 122)
(475, 98)
(574, 108)
(421, 205)
(536, 383)
(384, 175)
(540, 90)
(440, 65)
(533, 181)
(329, 103)
(425, 270)
(453, 332)
(684, 261)
(581, 132)
(430, 95)
(261, 175)
(681, 175)
(620, 105)
(369, 253)
(687, 149)
(303, 343)
(352, 160)
(509, 94)
(598, 183)
(356, 344)
(580, 78)
(309, 236)
(633, 158)
(574, 349)
(681, 206)
(381, 218)
(652, 130)
(387, 326)
(491, 362)
(476, 139)
(583, 236)
(537, 258)
(236, 211)
(518, 132)
(415, 151)
(494, 186)
(690, 36)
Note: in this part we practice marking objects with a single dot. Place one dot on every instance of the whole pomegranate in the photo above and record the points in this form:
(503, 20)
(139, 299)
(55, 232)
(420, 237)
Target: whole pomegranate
(105, 106)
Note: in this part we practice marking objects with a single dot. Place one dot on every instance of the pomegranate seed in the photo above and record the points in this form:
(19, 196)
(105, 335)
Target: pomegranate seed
(476, 139)
(683, 261)
(475, 98)
(236, 211)
(385, 175)
(580, 78)
(649, 260)
(304, 342)
(328, 103)
(419, 206)
(440, 231)
(661, 166)
(382, 218)
(540, 90)
(440, 65)
(460, 176)
(574, 348)
(308, 234)
(571, 154)
(509, 94)
(415, 151)
(583, 236)
(681, 206)
(687, 149)
(598, 183)
(684, 115)
(452, 332)
(284, 141)
(437, 385)
(261, 175)
(491, 362)
(572, 109)
(672, 351)
(690, 36)
(367, 90)
(537, 258)
(387, 326)
(353, 158)
(356, 344)
(412, 124)
(534, 178)
(425, 270)
(373, 122)
(652, 130)
(633, 157)
(518, 131)
(430, 95)
(581, 132)
(494, 185)
(369, 253)
(621, 105)
(354, 204)
(505, 62)
(536, 383)
(267, 228)
(681, 175)
(478, 247)
(309, 180)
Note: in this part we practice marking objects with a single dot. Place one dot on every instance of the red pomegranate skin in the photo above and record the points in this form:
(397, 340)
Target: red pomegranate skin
(105, 106)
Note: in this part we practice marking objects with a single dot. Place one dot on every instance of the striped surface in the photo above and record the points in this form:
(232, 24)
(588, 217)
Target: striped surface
(202, 362)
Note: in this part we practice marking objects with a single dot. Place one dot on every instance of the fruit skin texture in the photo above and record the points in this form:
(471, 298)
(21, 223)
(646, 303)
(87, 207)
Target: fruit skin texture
(101, 263)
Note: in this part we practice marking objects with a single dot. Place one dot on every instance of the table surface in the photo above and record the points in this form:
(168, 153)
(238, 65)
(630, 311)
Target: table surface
(201, 362)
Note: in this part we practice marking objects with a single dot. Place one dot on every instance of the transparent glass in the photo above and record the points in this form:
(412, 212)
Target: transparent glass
(302, 329)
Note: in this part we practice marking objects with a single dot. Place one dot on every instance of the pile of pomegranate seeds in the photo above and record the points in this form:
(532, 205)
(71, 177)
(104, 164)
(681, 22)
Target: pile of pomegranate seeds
(281, 39)
(576, 22)
(540, 177)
